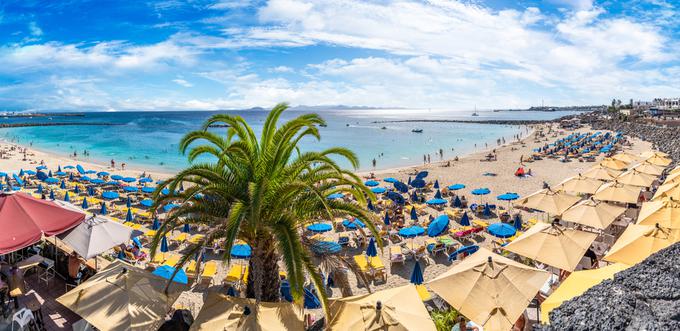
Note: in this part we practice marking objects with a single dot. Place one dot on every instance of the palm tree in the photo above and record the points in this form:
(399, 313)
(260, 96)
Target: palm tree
(263, 192)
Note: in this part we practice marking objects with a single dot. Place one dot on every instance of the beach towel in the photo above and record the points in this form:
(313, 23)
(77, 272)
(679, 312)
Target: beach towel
(519, 172)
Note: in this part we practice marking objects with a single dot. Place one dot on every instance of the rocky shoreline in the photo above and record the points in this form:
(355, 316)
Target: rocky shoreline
(643, 297)
(497, 122)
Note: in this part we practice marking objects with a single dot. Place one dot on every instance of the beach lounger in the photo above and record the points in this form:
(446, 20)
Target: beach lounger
(233, 277)
(196, 238)
(172, 260)
(396, 255)
(361, 262)
(423, 292)
(159, 258)
(378, 268)
(244, 277)
(191, 270)
(209, 272)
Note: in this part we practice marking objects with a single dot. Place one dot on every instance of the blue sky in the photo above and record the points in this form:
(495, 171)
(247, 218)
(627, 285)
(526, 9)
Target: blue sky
(200, 54)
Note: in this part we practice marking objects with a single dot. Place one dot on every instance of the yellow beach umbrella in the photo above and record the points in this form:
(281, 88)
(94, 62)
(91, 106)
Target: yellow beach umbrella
(659, 160)
(576, 284)
(123, 297)
(638, 242)
(672, 178)
(616, 192)
(664, 212)
(553, 245)
(601, 173)
(649, 168)
(636, 178)
(489, 289)
(596, 214)
(222, 312)
(393, 309)
(626, 157)
(648, 154)
(549, 201)
(669, 190)
(580, 184)
(675, 170)
(614, 164)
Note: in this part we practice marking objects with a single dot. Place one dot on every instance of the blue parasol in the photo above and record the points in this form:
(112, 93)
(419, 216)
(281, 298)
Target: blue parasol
(130, 189)
(51, 180)
(438, 226)
(436, 202)
(417, 274)
(128, 216)
(102, 174)
(401, 187)
(335, 196)
(353, 224)
(128, 202)
(103, 210)
(438, 195)
(166, 272)
(378, 190)
(422, 175)
(517, 223)
(371, 250)
(409, 180)
(148, 189)
(41, 167)
(85, 204)
(129, 179)
(396, 197)
(411, 231)
(170, 207)
(456, 187)
(164, 244)
(97, 181)
(319, 227)
(110, 195)
(145, 180)
(85, 179)
(457, 203)
(386, 219)
(31, 172)
(68, 167)
(481, 191)
(67, 198)
(501, 230)
(51, 194)
(40, 189)
(414, 214)
(241, 251)
(465, 220)
(463, 250)
(369, 205)
(414, 196)
(436, 184)
(390, 180)
(418, 183)
(371, 183)
(116, 177)
(508, 196)
(70, 176)
(325, 247)
(146, 202)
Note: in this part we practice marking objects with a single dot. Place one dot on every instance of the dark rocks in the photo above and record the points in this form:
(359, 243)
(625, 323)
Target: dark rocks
(643, 297)
(18, 125)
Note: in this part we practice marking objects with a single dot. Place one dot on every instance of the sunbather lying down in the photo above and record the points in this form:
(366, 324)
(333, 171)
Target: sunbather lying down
(490, 174)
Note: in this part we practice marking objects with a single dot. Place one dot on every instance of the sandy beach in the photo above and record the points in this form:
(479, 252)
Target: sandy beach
(468, 170)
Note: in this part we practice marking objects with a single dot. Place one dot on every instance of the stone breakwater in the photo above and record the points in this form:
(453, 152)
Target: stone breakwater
(643, 297)
(663, 138)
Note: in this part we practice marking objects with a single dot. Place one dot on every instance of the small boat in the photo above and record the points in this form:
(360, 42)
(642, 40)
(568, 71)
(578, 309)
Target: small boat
(475, 114)
(383, 128)
(417, 130)
(323, 125)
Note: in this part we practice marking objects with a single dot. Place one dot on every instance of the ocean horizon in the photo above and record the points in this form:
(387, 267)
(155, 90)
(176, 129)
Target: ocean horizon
(149, 140)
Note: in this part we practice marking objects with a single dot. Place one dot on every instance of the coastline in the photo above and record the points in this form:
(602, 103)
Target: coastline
(469, 169)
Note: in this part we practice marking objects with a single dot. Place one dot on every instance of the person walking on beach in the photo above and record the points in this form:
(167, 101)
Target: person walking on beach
(373, 162)
(113, 164)
(122, 166)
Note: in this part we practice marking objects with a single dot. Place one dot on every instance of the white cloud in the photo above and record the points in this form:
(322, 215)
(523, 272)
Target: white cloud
(282, 69)
(34, 29)
(182, 82)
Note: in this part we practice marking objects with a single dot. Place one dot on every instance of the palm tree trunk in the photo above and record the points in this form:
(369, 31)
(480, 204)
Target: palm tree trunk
(342, 281)
(263, 279)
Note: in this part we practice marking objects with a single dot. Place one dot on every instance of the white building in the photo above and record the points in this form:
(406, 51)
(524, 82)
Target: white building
(667, 103)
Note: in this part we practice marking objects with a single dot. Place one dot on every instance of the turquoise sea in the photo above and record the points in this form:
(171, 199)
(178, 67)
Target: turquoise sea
(149, 140)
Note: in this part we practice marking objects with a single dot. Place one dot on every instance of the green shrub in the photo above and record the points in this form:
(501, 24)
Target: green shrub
(444, 319)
